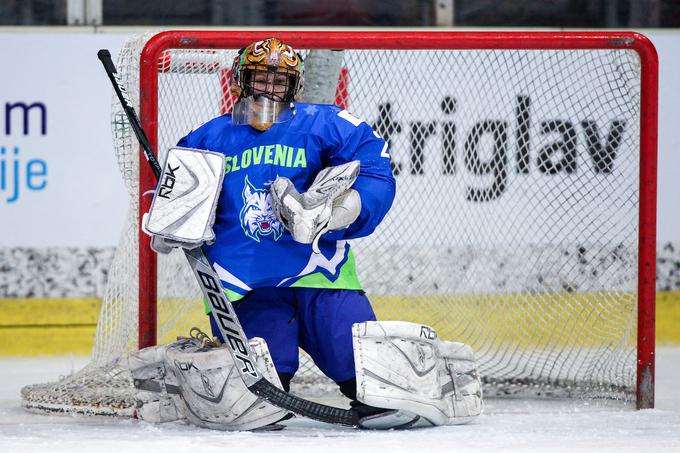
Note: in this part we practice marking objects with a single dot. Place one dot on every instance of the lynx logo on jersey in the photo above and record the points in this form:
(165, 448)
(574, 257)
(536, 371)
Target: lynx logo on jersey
(257, 216)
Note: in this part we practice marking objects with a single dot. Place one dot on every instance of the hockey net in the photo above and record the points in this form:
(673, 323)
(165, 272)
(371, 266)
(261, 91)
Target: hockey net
(524, 218)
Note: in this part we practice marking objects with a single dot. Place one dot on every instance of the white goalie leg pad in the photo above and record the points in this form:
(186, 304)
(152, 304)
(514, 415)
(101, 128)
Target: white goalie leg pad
(210, 387)
(402, 365)
(183, 207)
(214, 393)
(157, 393)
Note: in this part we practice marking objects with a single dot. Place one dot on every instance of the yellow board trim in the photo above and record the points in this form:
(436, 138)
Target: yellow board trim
(32, 327)
(14, 312)
(668, 318)
(184, 314)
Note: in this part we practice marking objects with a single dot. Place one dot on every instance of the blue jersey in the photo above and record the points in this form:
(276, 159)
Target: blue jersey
(252, 248)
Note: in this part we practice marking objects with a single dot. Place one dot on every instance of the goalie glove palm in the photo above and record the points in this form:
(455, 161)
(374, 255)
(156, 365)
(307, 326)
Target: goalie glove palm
(329, 204)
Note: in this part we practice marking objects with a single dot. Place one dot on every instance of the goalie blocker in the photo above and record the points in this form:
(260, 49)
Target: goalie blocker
(183, 209)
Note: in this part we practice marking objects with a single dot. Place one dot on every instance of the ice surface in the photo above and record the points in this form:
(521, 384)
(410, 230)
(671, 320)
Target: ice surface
(506, 426)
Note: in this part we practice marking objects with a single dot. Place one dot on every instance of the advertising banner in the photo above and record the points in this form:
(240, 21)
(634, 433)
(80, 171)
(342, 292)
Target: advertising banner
(59, 181)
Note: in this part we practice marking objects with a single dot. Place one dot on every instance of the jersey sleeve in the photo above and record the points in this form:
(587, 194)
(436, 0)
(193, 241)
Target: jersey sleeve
(184, 141)
(193, 139)
(206, 136)
(354, 139)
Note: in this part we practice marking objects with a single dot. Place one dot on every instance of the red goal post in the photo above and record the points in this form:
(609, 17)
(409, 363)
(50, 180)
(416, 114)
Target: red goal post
(153, 53)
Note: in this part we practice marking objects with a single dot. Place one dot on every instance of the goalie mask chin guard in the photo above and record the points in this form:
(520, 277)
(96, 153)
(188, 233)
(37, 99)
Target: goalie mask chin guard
(261, 112)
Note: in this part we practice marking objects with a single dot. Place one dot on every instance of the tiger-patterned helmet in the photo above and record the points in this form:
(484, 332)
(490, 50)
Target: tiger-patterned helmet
(269, 56)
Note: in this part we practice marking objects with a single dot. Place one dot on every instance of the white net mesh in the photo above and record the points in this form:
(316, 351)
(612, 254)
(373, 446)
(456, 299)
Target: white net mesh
(515, 226)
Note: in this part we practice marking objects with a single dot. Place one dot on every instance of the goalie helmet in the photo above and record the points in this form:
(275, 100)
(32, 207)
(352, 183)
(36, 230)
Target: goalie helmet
(266, 76)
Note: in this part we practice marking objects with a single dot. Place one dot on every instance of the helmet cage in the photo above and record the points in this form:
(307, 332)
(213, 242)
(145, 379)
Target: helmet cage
(248, 77)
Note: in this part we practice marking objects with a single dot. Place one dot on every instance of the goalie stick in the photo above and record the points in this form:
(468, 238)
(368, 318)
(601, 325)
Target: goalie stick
(222, 310)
